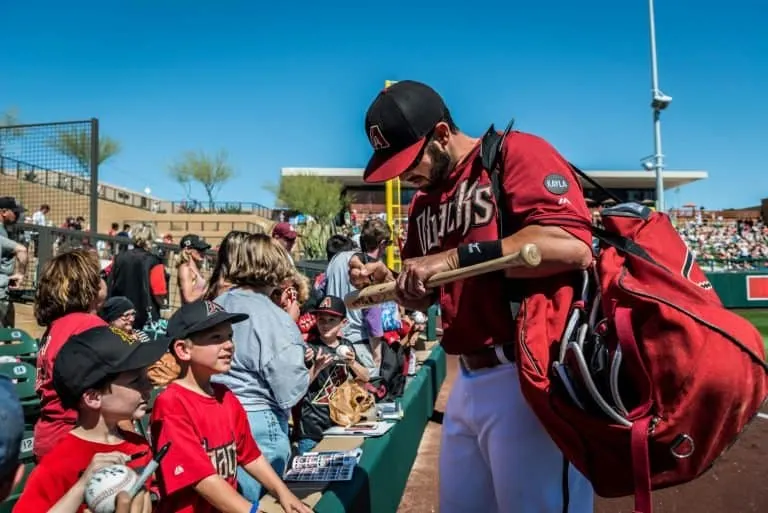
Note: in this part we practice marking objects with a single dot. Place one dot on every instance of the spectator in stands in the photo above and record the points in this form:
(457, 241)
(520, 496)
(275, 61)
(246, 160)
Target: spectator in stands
(119, 312)
(190, 280)
(292, 293)
(140, 276)
(11, 434)
(66, 301)
(113, 230)
(39, 216)
(364, 327)
(228, 259)
(336, 244)
(125, 232)
(286, 235)
(268, 374)
(13, 260)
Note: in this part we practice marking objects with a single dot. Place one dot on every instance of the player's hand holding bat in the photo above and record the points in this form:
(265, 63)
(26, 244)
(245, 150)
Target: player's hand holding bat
(422, 275)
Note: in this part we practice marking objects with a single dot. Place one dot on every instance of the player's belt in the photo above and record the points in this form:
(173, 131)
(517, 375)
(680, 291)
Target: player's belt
(489, 357)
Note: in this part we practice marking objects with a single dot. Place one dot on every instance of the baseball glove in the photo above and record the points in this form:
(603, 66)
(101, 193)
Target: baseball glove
(164, 370)
(348, 403)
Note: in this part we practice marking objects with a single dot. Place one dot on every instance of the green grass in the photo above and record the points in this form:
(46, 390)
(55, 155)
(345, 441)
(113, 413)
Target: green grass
(758, 317)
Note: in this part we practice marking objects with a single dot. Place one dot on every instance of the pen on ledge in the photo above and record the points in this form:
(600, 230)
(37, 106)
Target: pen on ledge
(149, 470)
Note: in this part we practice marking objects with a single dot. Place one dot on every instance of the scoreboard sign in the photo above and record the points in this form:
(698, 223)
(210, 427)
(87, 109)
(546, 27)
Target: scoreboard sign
(757, 287)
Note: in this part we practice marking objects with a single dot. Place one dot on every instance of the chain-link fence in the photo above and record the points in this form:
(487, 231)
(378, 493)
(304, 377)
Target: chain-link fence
(44, 242)
(55, 164)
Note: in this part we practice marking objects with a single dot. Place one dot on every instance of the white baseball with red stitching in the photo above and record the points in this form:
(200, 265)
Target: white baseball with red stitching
(103, 487)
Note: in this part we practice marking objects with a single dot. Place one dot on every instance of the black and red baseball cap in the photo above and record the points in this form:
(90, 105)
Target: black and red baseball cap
(331, 305)
(397, 124)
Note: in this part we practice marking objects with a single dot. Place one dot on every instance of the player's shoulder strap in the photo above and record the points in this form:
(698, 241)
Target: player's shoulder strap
(491, 152)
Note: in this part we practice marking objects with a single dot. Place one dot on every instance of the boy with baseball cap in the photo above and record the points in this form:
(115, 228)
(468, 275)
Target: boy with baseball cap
(333, 360)
(207, 424)
(102, 376)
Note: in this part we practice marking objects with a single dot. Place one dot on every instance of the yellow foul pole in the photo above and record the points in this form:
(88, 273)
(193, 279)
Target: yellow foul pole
(393, 200)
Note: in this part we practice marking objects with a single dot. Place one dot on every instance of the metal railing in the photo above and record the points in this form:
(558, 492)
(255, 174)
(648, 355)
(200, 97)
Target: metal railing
(199, 226)
(733, 264)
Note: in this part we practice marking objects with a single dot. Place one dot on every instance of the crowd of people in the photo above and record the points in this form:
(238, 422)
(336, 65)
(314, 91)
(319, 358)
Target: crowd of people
(246, 369)
(726, 244)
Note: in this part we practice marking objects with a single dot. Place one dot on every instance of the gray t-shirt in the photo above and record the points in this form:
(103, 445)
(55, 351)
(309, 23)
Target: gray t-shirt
(7, 261)
(338, 284)
(268, 370)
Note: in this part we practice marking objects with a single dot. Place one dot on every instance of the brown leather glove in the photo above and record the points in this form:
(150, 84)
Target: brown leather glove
(164, 370)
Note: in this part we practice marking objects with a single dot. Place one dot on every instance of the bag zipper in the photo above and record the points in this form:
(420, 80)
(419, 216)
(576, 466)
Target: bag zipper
(692, 316)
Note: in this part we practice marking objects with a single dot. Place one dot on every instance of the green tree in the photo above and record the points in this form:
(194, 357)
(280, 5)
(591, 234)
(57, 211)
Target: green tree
(315, 196)
(210, 171)
(76, 144)
(9, 118)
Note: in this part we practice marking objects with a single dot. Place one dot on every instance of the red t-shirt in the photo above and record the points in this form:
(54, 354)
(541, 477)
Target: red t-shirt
(55, 421)
(540, 188)
(64, 464)
(208, 435)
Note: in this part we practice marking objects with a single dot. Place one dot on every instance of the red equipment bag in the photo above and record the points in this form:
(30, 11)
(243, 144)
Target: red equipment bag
(653, 378)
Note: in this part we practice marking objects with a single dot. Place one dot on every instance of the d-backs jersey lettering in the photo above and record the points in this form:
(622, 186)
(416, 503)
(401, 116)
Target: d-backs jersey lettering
(208, 435)
(539, 188)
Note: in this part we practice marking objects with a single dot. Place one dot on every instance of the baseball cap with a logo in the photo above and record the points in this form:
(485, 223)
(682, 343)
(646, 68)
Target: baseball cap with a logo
(331, 305)
(193, 241)
(397, 124)
(199, 316)
(90, 357)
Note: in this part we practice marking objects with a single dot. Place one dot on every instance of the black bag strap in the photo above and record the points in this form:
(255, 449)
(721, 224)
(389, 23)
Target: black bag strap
(491, 155)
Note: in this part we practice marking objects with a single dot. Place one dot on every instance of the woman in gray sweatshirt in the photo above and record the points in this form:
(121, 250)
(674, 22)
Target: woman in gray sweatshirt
(268, 373)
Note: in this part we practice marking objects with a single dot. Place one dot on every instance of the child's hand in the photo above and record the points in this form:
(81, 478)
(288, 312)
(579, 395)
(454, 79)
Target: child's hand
(349, 356)
(139, 504)
(292, 504)
(309, 354)
(322, 360)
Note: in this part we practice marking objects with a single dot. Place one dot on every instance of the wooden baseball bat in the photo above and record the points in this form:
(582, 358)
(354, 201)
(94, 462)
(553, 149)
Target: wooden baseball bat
(528, 256)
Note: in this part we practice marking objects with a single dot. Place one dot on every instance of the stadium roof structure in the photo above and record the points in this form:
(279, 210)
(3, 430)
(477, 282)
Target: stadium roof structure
(610, 179)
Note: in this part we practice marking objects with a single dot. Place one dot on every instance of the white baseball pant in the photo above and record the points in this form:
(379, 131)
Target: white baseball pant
(495, 456)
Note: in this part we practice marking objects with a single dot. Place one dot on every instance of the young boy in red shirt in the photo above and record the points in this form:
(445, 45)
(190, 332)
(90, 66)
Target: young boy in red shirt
(207, 424)
(105, 379)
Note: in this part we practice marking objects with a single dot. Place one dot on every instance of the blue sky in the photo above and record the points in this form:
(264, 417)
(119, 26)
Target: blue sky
(288, 86)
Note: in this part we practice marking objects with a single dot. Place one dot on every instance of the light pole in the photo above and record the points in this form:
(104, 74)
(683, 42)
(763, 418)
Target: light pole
(659, 102)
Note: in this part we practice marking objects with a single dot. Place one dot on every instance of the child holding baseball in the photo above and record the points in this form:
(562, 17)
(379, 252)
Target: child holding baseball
(326, 345)
(207, 424)
(104, 379)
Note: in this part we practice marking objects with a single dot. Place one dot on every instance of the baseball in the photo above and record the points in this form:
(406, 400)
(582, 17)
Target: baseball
(103, 487)
(343, 351)
(418, 317)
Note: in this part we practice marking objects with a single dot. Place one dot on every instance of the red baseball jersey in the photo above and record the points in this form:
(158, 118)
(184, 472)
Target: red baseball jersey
(63, 465)
(55, 420)
(540, 188)
(208, 435)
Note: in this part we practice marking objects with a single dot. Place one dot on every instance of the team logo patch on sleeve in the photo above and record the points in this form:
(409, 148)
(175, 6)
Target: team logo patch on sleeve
(556, 184)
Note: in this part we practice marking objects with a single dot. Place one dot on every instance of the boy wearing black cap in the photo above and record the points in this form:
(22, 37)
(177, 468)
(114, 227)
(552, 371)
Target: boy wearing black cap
(207, 424)
(326, 341)
(104, 378)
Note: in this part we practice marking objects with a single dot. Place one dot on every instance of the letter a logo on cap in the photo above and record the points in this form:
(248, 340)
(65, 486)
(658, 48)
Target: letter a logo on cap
(377, 138)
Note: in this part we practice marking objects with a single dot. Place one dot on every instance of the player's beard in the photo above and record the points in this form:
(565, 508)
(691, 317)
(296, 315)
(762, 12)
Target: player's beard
(442, 165)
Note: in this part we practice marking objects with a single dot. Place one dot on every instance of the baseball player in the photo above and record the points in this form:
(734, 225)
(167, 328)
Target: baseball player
(496, 456)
